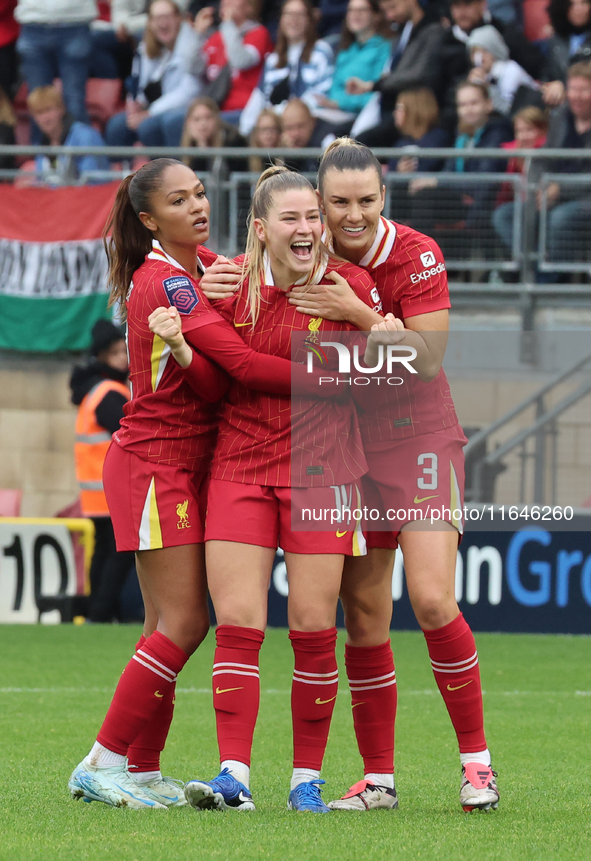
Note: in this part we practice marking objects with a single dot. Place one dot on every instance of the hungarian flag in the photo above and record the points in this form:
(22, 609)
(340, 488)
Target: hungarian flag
(53, 267)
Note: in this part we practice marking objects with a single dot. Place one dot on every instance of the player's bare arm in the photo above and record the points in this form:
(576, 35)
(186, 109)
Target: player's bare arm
(427, 333)
(335, 301)
(221, 279)
(166, 323)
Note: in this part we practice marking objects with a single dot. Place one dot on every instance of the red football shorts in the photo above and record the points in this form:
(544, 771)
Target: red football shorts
(419, 478)
(153, 505)
(269, 517)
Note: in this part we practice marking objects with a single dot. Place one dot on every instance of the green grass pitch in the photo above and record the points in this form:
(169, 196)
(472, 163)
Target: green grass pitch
(56, 683)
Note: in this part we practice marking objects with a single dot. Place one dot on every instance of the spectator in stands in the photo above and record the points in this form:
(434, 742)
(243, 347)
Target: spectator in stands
(8, 59)
(100, 392)
(236, 52)
(571, 43)
(7, 127)
(569, 217)
(300, 128)
(531, 128)
(467, 16)
(365, 43)
(267, 135)
(204, 128)
(414, 61)
(59, 128)
(438, 208)
(55, 42)
(416, 117)
(115, 34)
(161, 83)
(491, 65)
(301, 66)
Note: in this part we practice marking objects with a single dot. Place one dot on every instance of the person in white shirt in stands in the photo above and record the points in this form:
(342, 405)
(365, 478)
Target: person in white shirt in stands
(115, 36)
(160, 80)
(491, 65)
(55, 42)
(301, 66)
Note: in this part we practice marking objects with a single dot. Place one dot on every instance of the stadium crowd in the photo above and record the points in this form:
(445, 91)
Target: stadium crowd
(470, 74)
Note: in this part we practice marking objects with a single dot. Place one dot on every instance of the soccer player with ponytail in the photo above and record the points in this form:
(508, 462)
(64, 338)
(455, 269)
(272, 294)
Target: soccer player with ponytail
(256, 488)
(156, 468)
(413, 444)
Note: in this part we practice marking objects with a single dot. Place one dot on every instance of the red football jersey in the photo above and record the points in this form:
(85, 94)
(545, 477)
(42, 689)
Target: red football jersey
(165, 420)
(409, 272)
(243, 80)
(255, 435)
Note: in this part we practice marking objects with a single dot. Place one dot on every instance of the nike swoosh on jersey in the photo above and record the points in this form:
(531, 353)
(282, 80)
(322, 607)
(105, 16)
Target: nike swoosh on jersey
(340, 534)
(320, 702)
(417, 501)
(227, 690)
(158, 694)
(457, 688)
(354, 706)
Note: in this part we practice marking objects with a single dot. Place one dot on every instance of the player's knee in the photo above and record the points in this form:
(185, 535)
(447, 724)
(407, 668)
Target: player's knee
(432, 612)
(367, 628)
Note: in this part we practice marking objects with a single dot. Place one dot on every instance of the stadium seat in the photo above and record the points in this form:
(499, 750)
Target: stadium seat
(103, 99)
(536, 23)
(10, 502)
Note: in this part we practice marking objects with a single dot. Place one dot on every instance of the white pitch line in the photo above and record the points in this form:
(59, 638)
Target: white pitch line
(273, 691)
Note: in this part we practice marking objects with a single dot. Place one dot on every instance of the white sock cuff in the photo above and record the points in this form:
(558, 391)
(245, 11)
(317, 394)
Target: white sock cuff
(380, 779)
(102, 757)
(482, 756)
(239, 770)
(303, 775)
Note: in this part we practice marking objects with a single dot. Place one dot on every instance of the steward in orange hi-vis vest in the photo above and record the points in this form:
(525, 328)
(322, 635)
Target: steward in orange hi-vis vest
(92, 442)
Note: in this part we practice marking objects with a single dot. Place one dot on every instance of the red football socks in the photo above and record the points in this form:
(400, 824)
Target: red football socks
(236, 689)
(313, 694)
(372, 680)
(146, 681)
(455, 665)
(144, 753)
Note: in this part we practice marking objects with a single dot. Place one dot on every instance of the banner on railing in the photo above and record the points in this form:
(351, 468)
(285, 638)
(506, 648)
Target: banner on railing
(53, 268)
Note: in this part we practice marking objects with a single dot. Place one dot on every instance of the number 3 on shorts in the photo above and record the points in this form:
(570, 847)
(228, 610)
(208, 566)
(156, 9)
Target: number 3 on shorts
(427, 481)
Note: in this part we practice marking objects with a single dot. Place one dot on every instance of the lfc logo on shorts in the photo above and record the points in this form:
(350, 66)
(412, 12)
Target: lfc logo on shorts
(182, 515)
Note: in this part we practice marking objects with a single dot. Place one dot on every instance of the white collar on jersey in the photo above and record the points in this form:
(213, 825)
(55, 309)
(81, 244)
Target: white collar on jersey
(158, 253)
(315, 278)
(381, 247)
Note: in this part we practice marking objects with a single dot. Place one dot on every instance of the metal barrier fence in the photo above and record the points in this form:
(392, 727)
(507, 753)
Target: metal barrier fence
(506, 237)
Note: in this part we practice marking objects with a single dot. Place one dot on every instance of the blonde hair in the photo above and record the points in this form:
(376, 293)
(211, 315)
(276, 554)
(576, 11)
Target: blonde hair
(272, 181)
(534, 116)
(579, 70)
(45, 97)
(421, 112)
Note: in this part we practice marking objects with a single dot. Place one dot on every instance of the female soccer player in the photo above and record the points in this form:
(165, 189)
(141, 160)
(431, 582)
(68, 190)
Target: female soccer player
(413, 444)
(156, 467)
(257, 490)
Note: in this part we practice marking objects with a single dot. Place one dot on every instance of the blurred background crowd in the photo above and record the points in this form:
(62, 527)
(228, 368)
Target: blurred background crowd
(402, 74)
